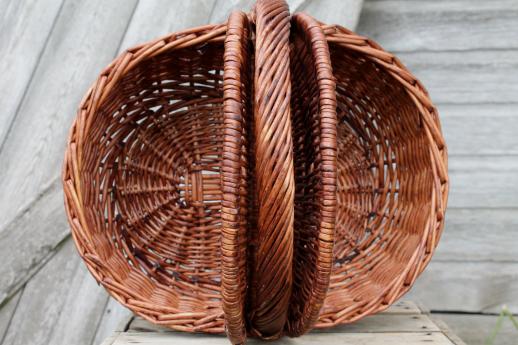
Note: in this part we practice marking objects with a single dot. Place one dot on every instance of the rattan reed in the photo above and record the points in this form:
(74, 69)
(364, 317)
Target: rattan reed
(272, 256)
(236, 172)
(259, 177)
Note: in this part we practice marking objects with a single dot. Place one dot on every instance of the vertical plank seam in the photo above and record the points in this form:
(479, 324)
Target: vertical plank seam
(99, 321)
(2, 339)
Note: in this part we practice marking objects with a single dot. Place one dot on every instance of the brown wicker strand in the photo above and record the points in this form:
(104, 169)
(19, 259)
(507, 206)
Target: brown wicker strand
(313, 107)
(139, 179)
(237, 113)
(392, 179)
(272, 260)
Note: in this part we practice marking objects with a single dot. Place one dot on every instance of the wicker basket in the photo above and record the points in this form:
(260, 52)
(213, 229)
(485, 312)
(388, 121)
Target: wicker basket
(259, 177)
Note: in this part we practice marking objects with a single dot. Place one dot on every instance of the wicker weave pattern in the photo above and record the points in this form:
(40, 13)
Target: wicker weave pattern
(141, 177)
(235, 175)
(392, 179)
(272, 259)
(314, 131)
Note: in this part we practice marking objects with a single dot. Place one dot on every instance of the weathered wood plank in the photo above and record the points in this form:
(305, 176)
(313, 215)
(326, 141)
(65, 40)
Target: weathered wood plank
(6, 313)
(24, 28)
(474, 329)
(109, 341)
(222, 8)
(85, 37)
(112, 316)
(342, 12)
(479, 235)
(483, 182)
(403, 307)
(345, 12)
(466, 77)
(385, 323)
(403, 25)
(478, 287)
(62, 304)
(454, 338)
(81, 312)
(432, 338)
(167, 16)
(481, 129)
(27, 242)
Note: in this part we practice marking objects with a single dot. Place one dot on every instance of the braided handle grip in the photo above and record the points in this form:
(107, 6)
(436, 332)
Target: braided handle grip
(272, 258)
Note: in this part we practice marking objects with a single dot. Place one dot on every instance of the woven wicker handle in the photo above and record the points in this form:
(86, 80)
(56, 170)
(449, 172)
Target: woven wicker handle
(237, 117)
(272, 261)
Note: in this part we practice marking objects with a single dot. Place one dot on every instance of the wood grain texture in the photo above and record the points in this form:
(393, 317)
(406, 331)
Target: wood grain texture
(474, 329)
(404, 25)
(6, 313)
(114, 313)
(27, 242)
(24, 29)
(476, 287)
(480, 129)
(167, 16)
(479, 234)
(488, 76)
(343, 12)
(60, 305)
(483, 182)
(85, 38)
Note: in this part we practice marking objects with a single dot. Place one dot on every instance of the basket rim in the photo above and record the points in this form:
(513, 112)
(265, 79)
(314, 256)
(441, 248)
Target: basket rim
(233, 285)
(311, 32)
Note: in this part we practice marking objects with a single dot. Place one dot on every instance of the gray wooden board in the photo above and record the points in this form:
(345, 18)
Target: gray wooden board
(24, 29)
(29, 240)
(167, 16)
(343, 12)
(7, 312)
(477, 287)
(483, 182)
(404, 25)
(111, 318)
(85, 38)
(480, 129)
(475, 329)
(62, 304)
(408, 338)
(479, 234)
(488, 76)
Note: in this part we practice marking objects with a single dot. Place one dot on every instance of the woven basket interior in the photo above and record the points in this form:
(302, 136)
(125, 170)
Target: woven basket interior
(152, 168)
(384, 188)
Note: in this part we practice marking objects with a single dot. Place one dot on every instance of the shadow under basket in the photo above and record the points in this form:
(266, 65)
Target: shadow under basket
(164, 178)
